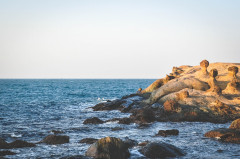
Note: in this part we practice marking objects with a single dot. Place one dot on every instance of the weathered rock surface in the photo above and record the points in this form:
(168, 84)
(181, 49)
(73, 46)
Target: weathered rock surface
(225, 135)
(235, 124)
(108, 148)
(207, 93)
(166, 133)
(15, 144)
(54, 139)
(93, 120)
(88, 140)
(161, 150)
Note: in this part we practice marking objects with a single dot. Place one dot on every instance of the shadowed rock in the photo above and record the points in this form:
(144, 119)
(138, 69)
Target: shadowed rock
(166, 133)
(15, 144)
(108, 148)
(4, 153)
(54, 140)
(171, 106)
(161, 150)
(144, 115)
(88, 140)
(93, 120)
(75, 157)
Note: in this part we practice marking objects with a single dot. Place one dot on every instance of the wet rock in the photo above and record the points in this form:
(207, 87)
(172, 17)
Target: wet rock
(161, 150)
(144, 143)
(3, 144)
(57, 132)
(88, 140)
(166, 133)
(117, 129)
(4, 153)
(171, 106)
(144, 115)
(225, 135)
(235, 124)
(76, 157)
(108, 148)
(129, 142)
(15, 144)
(125, 121)
(113, 105)
(93, 120)
(54, 140)
(20, 144)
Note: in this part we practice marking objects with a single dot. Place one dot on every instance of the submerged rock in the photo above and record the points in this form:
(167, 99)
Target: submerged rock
(93, 120)
(4, 153)
(166, 133)
(54, 140)
(161, 150)
(88, 140)
(15, 144)
(108, 148)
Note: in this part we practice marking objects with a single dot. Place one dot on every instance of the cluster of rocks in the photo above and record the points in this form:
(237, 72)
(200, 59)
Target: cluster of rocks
(187, 94)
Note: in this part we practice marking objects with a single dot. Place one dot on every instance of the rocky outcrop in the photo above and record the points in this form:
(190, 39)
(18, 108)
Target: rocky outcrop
(227, 135)
(207, 93)
(161, 150)
(108, 148)
(93, 120)
(54, 139)
(166, 133)
(15, 144)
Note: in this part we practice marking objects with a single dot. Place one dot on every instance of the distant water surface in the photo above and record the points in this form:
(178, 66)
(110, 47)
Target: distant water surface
(30, 109)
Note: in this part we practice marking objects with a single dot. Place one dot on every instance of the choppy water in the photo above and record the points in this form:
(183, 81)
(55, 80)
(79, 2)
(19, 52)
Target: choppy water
(30, 109)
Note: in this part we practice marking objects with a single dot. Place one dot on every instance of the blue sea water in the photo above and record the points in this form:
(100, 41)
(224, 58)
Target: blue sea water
(31, 109)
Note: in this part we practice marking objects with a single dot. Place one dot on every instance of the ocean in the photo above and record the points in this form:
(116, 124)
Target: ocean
(31, 108)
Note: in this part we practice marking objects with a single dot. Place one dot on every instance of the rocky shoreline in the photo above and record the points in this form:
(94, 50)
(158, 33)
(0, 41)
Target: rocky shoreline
(205, 93)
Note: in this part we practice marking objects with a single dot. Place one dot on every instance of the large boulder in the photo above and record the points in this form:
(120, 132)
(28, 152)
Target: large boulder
(54, 139)
(161, 150)
(93, 120)
(108, 148)
(235, 124)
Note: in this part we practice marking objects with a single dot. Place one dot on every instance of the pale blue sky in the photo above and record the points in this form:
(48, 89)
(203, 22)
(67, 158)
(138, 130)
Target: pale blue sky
(114, 39)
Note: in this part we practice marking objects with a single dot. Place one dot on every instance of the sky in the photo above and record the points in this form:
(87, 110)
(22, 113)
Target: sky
(114, 39)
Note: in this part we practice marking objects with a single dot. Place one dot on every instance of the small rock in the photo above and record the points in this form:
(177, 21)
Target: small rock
(165, 133)
(20, 144)
(75, 157)
(88, 140)
(161, 150)
(54, 139)
(117, 129)
(108, 148)
(93, 120)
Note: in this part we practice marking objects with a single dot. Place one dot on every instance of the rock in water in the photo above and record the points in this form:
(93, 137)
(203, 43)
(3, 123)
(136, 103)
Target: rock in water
(235, 124)
(165, 133)
(161, 150)
(54, 139)
(88, 140)
(108, 148)
(93, 120)
(3, 144)
(15, 144)
(4, 153)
